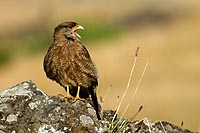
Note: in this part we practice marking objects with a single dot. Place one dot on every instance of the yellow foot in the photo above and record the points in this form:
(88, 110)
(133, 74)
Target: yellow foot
(77, 95)
(60, 95)
(78, 98)
(63, 96)
(68, 96)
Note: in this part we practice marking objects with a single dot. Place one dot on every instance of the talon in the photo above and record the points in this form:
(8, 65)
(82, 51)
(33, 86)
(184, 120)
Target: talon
(68, 94)
(60, 95)
(77, 95)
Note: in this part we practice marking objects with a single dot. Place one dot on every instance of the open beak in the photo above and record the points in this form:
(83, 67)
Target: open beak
(77, 27)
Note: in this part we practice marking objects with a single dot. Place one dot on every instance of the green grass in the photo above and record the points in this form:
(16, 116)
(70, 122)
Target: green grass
(40, 41)
(98, 32)
(5, 56)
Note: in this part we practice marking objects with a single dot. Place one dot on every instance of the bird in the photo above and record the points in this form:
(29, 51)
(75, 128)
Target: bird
(68, 62)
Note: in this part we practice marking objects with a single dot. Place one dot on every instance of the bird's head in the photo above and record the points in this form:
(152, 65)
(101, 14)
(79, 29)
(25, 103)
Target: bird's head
(68, 29)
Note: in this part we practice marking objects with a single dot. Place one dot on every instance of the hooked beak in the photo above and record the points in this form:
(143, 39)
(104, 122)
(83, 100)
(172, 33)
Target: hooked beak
(77, 27)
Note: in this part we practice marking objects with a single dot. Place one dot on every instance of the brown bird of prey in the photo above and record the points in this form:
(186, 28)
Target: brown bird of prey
(68, 63)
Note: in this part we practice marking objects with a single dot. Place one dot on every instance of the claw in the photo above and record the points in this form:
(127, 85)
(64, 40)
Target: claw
(60, 95)
(77, 95)
(68, 96)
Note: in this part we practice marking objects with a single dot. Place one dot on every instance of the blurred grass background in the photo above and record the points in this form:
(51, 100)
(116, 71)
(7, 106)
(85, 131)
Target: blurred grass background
(167, 32)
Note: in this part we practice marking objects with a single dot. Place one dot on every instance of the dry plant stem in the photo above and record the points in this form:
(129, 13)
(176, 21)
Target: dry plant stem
(133, 117)
(129, 80)
(136, 89)
(103, 98)
(117, 103)
(181, 123)
(163, 127)
(100, 88)
(149, 126)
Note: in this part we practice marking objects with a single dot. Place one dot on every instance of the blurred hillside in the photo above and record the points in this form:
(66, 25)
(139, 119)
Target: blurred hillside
(167, 32)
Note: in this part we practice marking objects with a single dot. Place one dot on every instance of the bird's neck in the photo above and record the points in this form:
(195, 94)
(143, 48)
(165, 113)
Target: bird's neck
(59, 37)
(62, 37)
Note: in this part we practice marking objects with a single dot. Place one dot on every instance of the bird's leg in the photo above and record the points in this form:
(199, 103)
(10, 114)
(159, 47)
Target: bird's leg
(77, 95)
(68, 94)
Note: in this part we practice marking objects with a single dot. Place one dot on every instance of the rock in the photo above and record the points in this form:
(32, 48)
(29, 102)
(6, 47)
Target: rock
(24, 108)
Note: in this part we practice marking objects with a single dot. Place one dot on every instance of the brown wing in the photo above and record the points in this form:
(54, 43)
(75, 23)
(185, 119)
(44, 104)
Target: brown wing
(57, 62)
(86, 73)
(83, 69)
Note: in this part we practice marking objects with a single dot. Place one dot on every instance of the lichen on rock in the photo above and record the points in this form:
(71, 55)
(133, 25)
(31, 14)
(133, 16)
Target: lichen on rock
(24, 108)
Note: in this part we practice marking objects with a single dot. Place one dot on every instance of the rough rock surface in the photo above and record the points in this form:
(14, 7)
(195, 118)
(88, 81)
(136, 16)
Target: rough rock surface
(26, 109)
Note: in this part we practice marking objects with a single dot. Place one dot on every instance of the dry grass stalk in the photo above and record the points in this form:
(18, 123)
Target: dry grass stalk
(105, 96)
(128, 84)
(136, 89)
(182, 124)
(163, 127)
(139, 110)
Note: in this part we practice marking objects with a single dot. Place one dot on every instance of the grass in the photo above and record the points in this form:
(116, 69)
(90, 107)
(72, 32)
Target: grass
(98, 31)
(39, 41)
(4, 56)
(129, 80)
(118, 124)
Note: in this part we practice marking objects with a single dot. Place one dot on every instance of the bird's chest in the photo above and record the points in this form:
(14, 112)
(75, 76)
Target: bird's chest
(66, 56)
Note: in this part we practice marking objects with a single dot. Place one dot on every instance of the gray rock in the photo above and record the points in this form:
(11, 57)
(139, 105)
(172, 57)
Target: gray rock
(26, 109)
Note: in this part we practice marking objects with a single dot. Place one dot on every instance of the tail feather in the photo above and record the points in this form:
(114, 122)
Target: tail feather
(92, 91)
